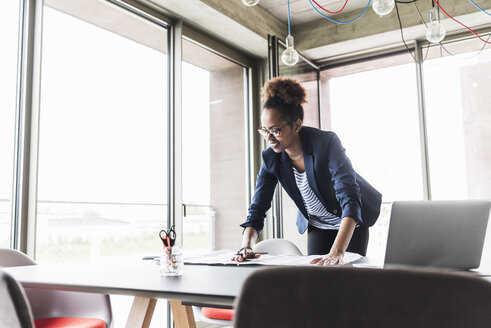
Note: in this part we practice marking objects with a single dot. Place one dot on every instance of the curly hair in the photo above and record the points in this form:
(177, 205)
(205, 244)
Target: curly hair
(285, 95)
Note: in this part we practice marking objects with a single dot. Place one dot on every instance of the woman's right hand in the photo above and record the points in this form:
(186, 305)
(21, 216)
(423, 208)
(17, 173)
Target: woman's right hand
(249, 237)
(245, 253)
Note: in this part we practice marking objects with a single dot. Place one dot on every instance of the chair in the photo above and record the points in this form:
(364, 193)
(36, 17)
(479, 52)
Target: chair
(277, 247)
(54, 308)
(14, 307)
(223, 317)
(350, 297)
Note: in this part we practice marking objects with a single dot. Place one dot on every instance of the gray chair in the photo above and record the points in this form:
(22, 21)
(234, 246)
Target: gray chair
(14, 307)
(55, 303)
(354, 297)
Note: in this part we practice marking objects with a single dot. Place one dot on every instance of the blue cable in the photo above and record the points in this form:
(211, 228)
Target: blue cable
(335, 21)
(484, 11)
(288, 5)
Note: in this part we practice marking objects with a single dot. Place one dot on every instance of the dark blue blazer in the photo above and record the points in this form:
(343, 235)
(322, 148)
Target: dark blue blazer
(331, 177)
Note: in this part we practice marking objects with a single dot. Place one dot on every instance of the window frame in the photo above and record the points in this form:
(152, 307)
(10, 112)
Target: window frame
(24, 191)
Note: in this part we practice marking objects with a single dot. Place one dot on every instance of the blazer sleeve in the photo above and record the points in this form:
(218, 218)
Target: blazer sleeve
(261, 202)
(343, 176)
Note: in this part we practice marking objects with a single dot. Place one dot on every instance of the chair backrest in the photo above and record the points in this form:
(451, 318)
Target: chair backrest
(354, 297)
(11, 257)
(277, 247)
(47, 303)
(14, 307)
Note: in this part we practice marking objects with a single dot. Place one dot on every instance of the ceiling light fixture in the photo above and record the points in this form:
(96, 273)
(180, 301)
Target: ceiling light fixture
(290, 55)
(250, 3)
(383, 7)
(436, 31)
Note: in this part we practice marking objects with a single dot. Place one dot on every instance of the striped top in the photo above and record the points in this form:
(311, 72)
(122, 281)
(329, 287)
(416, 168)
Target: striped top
(319, 216)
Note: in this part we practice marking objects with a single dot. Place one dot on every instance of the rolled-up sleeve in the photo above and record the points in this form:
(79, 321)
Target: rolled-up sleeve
(344, 180)
(261, 202)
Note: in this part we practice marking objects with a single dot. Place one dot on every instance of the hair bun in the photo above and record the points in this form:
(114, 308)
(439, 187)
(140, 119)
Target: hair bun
(289, 90)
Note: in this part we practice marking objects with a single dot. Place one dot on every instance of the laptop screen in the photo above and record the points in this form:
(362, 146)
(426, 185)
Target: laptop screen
(437, 233)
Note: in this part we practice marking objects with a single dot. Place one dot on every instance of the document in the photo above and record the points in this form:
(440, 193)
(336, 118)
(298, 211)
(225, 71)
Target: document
(223, 257)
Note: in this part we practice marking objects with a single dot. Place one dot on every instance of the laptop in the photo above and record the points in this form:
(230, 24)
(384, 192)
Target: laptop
(447, 234)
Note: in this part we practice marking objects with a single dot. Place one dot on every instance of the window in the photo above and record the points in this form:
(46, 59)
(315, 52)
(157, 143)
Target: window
(457, 77)
(9, 22)
(377, 122)
(214, 160)
(102, 180)
(102, 153)
(458, 120)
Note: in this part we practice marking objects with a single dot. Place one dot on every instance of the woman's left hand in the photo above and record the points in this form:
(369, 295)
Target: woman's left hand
(333, 258)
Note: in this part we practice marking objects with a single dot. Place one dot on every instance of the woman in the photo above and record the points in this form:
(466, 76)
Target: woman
(335, 204)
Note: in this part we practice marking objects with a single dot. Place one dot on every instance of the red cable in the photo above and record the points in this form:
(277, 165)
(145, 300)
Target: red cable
(436, 2)
(331, 12)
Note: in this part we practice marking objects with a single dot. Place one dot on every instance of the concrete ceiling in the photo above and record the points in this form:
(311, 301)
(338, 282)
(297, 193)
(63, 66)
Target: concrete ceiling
(315, 37)
(301, 11)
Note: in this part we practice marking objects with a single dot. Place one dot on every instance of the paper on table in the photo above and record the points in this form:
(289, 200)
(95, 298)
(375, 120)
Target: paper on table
(223, 257)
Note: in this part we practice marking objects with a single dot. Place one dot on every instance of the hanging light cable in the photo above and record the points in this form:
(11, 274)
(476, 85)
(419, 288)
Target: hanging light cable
(331, 12)
(290, 55)
(402, 33)
(338, 22)
(484, 11)
(471, 30)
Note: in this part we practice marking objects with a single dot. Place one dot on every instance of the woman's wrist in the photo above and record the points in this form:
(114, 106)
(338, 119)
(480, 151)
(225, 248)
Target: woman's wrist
(336, 251)
(249, 237)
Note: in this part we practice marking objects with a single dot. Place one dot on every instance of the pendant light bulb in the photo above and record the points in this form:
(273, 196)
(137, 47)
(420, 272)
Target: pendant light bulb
(383, 7)
(290, 55)
(250, 3)
(436, 31)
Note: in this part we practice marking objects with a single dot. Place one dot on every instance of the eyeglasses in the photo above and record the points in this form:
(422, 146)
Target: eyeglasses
(275, 132)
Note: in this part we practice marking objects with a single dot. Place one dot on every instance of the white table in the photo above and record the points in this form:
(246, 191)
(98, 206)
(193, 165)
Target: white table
(213, 285)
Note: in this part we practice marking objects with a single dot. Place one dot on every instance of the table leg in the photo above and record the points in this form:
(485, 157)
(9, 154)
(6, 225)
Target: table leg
(183, 315)
(141, 312)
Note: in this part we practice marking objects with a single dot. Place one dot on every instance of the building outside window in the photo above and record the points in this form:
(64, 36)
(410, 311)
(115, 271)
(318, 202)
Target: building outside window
(214, 160)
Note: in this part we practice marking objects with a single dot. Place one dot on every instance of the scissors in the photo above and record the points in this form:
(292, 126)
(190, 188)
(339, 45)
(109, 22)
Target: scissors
(168, 237)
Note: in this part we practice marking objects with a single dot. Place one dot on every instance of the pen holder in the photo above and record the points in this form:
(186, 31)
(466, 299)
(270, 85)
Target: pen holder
(171, 263)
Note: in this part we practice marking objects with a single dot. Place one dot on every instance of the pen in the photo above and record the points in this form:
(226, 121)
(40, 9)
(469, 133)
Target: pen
(150, 257)
(254, 253)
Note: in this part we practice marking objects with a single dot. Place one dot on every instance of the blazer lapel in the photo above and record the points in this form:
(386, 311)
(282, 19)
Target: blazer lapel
(290, 184)
(308, 160)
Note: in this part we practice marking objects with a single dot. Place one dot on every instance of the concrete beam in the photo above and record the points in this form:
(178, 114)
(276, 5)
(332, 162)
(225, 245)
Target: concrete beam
(323, 36)
(206, 18)
(255, 18)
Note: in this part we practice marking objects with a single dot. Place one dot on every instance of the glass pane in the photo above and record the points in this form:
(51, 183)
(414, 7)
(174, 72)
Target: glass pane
(379, 131)
(103, 139)
(457, 78)
(214, 150)
(458, 119)
(102, 161)
(9, 22)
